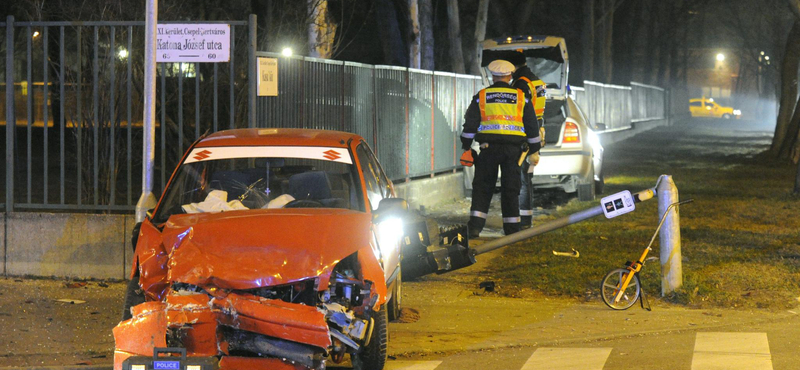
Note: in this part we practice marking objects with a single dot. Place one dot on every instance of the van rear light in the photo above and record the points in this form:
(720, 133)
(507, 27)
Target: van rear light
(571, 133)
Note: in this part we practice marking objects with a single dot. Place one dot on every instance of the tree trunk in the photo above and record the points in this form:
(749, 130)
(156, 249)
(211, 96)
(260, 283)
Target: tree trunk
(587, 40)
(414, 56)
(321, 30)
(522, 13)
(791, 148)
(608, 40)
(454, 31)
(650, 41)
(389, 30)
(791, 59)
(426, 34)
(480, 34)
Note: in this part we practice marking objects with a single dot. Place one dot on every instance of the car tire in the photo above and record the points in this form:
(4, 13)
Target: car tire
(394, 303)
(373, 355)
(599, 185)
(586, 190)
(133, 296)
(726, 116)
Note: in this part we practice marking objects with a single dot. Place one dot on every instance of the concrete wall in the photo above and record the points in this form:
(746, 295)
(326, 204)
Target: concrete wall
(427, 192)
(67, 245)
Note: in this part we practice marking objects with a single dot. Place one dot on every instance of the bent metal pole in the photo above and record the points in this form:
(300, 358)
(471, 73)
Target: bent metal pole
(148, 200)
(553, 225)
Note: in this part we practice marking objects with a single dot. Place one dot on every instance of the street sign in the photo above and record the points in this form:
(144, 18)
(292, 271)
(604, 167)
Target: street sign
(193, 42)
(267, 77)
(618, 204)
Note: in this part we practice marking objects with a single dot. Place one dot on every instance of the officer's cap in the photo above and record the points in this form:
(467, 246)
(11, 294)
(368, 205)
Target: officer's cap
(501, 68)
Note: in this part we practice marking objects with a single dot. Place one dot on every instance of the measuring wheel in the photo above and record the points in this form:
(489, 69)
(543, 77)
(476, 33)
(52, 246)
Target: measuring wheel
(610, 287)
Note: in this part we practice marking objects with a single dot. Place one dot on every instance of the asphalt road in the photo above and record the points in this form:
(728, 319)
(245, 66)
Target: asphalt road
(560, 335)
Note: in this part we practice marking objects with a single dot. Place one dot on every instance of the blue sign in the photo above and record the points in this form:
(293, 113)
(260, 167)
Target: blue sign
(167, 365)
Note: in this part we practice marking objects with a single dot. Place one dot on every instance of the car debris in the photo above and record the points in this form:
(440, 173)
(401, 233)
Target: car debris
(573, 254)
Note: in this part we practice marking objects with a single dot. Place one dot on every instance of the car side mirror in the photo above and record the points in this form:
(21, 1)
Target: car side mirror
(600, 127)
(390, 207)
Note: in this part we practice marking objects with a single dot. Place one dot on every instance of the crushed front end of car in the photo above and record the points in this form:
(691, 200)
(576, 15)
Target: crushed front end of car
(283, 289)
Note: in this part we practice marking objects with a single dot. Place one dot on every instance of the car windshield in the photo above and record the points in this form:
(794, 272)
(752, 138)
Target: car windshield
(274, 178)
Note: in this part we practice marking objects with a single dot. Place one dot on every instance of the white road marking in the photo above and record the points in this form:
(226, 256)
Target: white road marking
(568, 358)
(731, 351)
(411, 365)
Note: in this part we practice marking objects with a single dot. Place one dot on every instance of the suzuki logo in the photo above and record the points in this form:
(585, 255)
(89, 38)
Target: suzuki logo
(332, 155)
(202, 155)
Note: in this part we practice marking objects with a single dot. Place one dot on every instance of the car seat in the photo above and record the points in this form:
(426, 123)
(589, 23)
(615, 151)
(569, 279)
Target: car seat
(314, 185)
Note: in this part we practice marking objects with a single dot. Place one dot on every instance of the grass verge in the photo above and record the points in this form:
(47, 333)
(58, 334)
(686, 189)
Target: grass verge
(740, 238)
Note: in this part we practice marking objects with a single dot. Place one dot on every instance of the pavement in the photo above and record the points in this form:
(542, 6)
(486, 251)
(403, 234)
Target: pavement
(453, 324)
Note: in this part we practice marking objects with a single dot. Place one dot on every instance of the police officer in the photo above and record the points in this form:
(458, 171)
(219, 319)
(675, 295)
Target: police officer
(534, 89)
(503, 122)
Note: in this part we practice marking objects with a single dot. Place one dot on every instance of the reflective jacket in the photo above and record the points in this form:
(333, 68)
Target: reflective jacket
(501, 111)
(537, 88)
(497, 119)
(534, 88)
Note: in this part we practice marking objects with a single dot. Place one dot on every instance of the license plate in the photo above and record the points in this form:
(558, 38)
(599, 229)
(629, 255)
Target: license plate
(166, 365)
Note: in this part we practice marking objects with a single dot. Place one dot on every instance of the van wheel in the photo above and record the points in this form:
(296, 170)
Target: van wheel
(373, 355)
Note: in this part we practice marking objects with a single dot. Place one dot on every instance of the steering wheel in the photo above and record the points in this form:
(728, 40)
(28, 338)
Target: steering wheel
(304, 203)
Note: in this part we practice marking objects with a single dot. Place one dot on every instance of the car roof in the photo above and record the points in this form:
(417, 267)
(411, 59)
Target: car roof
(278, 137)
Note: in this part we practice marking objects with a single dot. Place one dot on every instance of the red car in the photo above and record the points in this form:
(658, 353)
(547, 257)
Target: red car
(269, 248)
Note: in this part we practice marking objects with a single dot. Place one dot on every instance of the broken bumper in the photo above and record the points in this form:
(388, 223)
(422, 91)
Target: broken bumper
(210, 327)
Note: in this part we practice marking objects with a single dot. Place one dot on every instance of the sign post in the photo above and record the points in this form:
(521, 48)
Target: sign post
(148, 200)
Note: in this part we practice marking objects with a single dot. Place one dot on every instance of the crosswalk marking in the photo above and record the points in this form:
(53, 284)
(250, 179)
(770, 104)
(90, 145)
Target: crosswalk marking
(568, 358)
(411, 365)
(731, 351)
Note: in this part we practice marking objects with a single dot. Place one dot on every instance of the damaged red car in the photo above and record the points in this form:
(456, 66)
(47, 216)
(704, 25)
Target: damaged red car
(269, 248)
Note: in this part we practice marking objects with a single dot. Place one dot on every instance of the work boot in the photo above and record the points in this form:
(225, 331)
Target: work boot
(475, 225)
(510, 228)
(526, 222)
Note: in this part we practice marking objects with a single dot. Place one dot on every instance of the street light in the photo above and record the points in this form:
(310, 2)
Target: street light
(766, 57)
(122, 54)
(35, 34)
(720, 57)
(287, 52)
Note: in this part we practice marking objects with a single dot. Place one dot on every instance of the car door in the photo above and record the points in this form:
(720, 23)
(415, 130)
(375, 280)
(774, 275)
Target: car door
(378, 187)
(696, 108)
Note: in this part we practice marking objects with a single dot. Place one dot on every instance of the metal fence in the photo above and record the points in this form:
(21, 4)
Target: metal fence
(411, 118)
(73, 111)
(618, 106)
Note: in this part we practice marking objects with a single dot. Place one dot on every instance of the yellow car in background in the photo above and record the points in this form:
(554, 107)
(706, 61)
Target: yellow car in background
(708, 108)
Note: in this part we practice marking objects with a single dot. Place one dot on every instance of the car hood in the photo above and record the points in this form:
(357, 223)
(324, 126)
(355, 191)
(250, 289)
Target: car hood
(259, 248)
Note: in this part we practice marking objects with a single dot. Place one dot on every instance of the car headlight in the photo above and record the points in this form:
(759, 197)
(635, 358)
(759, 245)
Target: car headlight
(389, 233)
(737, 112)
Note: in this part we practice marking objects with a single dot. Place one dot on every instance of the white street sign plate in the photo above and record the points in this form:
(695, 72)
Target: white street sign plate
(193, 42)
(618, 204)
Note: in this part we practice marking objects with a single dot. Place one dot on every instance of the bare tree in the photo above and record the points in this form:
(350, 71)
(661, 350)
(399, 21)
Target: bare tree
(426, 33)
(321, 30)
(414, 55)
(394, 52)
(480, 34)
(587, 40)
(454, 31)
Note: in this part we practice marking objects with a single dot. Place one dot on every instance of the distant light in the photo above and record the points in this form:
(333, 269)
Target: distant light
(530, 38)
(122, 54)
(766, 57)
(720, 57)
(35, 34)
(287, 52)
(762, 53)
(508, 39)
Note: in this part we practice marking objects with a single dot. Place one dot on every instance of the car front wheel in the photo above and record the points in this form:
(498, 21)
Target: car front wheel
(373, 355)
(394, 303)
(726, 116)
